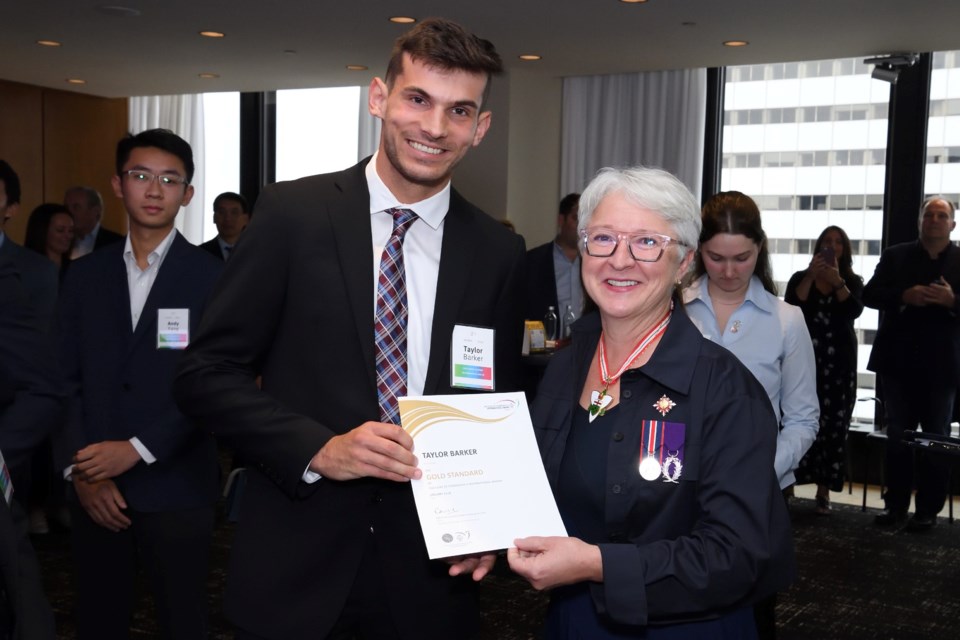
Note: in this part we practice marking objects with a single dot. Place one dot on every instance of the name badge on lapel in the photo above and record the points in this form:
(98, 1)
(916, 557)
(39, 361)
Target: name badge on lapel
(173, 328)
(471, 358)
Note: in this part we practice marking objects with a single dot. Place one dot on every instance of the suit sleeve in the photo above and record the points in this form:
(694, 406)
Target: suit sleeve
(885, 289)
(30, 389)
(216, 384)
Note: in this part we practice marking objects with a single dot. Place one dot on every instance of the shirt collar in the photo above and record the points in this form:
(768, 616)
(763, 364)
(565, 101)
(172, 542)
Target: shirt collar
(432, 210)
(756, 294)
(673, 361)
(156, 256)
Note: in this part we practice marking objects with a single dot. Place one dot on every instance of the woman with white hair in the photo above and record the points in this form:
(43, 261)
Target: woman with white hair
(659, 444)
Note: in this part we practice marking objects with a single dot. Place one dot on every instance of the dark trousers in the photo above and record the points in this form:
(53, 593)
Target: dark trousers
(172, 548)
(909, 404)
(365, 615)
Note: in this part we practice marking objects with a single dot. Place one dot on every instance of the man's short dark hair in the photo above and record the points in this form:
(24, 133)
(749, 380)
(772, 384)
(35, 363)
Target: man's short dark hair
(162, 139)
(445, 45)
(11, 182)
(236, 197)
(570, 202)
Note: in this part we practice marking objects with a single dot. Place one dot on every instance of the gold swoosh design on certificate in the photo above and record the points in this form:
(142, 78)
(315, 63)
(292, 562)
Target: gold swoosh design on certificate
(419, 415)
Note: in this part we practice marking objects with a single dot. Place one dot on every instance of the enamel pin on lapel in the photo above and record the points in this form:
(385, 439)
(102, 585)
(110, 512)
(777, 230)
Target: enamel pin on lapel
(664, 404)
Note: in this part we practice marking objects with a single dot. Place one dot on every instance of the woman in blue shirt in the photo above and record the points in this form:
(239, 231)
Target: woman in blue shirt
(734, 302)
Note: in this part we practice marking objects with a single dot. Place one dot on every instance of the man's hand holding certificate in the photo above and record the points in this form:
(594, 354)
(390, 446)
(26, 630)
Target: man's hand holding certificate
(483, 483)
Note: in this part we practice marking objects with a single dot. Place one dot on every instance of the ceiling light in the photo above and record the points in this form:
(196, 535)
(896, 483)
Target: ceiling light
(735, 43)
(208, 76)
(403, 19)
(212, 34)
(76, 81)
(48, 43)
(357, 67)
(633, 1)
(530, 56)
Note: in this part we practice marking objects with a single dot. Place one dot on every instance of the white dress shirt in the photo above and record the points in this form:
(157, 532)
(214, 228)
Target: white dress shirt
(83, 246)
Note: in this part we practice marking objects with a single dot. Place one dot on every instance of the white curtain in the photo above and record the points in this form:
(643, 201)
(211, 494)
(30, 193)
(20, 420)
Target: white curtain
(184, 116)
(369, 130)
(654, 119)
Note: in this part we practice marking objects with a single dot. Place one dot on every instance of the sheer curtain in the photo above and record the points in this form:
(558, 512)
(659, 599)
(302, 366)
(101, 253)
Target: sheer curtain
(184, 116)
(655, 119)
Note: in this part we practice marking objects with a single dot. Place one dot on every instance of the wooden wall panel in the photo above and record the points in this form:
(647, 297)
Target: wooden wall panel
(80, 135)
(21, 144)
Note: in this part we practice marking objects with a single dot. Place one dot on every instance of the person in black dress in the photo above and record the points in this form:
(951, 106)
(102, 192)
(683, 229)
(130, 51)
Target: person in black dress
(829, 294)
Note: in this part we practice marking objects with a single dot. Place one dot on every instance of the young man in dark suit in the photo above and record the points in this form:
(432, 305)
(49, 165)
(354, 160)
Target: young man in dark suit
(231, 214)
(329, 544)
(553, 269)
(145, 481)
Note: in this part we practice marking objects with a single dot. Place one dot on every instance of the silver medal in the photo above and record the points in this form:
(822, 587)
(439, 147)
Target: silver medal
(650, 468)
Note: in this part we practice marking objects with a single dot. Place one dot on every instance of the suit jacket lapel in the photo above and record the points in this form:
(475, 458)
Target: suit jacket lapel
(350, 220)
(456, 257)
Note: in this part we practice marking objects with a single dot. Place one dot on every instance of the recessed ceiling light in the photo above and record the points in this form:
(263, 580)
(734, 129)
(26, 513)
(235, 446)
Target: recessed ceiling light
(48, 43)
(357, 67)
(633, 1)
(688, 24)
(289, 52)
(530, 56)
(208, 76)
(402, 19)
(212, 34)
(76, 81)
(735, 43)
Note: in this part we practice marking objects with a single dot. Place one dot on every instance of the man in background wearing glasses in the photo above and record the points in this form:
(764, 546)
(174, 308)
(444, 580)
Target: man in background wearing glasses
(144, 480)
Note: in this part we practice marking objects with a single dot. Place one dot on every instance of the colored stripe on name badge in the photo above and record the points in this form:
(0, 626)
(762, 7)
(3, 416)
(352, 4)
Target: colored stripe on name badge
(473, 371)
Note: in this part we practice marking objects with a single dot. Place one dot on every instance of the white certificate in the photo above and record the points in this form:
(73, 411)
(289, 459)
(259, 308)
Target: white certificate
(483, 482)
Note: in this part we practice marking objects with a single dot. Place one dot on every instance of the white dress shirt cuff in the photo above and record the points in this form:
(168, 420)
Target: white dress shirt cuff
(310, 476)
(142, 450)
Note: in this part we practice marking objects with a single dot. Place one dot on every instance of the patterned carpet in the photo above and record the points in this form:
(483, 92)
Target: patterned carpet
(855, 581)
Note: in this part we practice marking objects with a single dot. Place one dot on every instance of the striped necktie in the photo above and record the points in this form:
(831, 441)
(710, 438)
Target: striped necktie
(390, 321)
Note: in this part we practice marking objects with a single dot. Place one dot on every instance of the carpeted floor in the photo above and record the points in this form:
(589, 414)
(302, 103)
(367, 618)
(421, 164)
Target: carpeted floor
(855, 581)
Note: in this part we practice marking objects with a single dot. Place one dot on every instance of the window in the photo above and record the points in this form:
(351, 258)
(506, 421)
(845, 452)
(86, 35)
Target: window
(317, 130)
(810, 176)
(221, 161)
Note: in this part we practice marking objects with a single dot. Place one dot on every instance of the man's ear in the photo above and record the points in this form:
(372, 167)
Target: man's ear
(377, 97)
(10, 211)
(483, 125)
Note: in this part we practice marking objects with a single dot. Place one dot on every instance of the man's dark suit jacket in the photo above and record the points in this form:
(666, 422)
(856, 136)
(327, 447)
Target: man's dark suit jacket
(39, 278)
(213, 247)
(31, 399)
(105, 238)
(30, 407)
(919, 343)
(119, 382)
(296, 304)
(541, 283)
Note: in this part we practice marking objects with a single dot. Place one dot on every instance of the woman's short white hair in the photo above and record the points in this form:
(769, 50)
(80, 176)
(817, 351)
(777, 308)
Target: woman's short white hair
(652, 189)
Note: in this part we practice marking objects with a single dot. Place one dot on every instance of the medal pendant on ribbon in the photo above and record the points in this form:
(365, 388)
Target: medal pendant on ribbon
(599, 400)
(650, 468)
(672, 468)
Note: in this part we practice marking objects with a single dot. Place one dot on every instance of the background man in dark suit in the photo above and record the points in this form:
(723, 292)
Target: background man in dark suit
(145, 480)
(30, 408)
(329, 544)
(86, 206)
(916, 355)
(38, 276)
(231, 214)
(553, 269)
